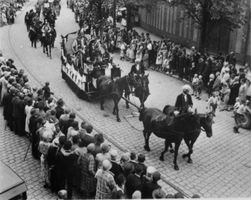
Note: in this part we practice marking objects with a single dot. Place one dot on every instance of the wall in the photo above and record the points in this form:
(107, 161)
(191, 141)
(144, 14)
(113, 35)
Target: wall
(165, 21)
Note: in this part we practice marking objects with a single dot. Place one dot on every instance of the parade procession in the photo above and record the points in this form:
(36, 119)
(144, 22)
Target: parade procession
(135, 99)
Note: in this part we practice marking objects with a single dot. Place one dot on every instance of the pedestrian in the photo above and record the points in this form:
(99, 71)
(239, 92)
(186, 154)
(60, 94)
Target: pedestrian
(239, 116)
(158, 194)
(87, 172)
(150, 186)
(105, 181)
(195, 83)
(118, 192)
(133, 182)
(213, 102)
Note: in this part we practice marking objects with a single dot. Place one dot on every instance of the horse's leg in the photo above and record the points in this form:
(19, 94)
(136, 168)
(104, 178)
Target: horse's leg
(127, 96)
(167, 144)
(176, 151)
(188, 146)
(50, 51)
(102, 103)
(190, 151)
(116, 102)
(146, 136)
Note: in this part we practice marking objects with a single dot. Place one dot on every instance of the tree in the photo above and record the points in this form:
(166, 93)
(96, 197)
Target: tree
(130, 4)
(229, 13)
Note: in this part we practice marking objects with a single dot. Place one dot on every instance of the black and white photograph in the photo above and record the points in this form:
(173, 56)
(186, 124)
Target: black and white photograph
(125, 99)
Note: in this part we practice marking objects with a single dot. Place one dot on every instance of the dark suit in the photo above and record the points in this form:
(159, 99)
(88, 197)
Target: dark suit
(148, 189)
(181, 104)
(133, 183)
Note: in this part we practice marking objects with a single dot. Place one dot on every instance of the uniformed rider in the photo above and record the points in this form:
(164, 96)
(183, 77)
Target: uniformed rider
(46, 28)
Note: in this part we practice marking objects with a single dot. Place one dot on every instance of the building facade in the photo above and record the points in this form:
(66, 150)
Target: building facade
(170, 21)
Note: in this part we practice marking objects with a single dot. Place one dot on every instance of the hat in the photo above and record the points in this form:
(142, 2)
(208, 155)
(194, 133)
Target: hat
(125, 157)
(91, 148)
(150, 170)
(156, 176)
(114, 154)
(186, 87)
(62, 194)
(179, 195)
(106, 164)
(158, 194)
(105, 147)
(211, 76)
(136, 195)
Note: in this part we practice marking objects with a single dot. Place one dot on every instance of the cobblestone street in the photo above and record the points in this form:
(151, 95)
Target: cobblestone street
(221, 164)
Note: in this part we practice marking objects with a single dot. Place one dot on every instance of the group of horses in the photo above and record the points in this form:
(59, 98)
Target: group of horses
(122, 86)
(35, 33)
(164, 124)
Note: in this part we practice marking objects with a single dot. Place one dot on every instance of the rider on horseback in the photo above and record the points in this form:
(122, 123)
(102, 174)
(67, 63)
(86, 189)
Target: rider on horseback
(46, 28)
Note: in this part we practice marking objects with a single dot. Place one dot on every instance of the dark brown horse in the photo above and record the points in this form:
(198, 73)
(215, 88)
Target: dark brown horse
(113, 88)
(173, 129)
(190, 137)
(140, 83)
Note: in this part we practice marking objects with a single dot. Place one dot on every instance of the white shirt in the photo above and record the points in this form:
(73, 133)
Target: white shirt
(149, 46)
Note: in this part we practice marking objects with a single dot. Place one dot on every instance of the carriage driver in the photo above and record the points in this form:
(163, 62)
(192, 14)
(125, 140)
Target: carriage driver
(184, 101)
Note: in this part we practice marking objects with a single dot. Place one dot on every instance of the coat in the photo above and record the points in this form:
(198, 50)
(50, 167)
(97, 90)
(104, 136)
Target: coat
(183, 105)
(133, 183)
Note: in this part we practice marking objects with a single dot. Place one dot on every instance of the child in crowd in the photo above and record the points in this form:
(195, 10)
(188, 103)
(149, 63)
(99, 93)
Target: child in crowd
(165, 65)
(213, 102)
(200, 86)
(237, 104)
(159, 61)
(195, 82)
(210, 85)
(122, 50)
(239, 115)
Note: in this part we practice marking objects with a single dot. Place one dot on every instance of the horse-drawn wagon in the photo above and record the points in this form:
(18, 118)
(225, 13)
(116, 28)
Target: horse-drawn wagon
(79, 71)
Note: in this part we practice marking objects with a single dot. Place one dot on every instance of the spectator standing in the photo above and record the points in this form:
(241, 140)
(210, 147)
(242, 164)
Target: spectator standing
(150, 186)
(133, 182)
(116, 168)
(87, 172)
(243, 90)
(105, 181)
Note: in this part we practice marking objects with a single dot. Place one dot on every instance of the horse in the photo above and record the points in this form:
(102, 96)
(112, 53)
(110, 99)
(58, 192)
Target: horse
(190, 137)
(114, 88)
(47, 41)
(169, 128)
(33, 35)
(141, 85)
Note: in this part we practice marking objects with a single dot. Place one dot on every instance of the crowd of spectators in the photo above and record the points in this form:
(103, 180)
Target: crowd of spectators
(227, 86)
(8, 11)
(74, 160)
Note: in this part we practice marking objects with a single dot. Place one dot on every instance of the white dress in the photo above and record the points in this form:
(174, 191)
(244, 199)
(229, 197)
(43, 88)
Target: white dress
(27, 119)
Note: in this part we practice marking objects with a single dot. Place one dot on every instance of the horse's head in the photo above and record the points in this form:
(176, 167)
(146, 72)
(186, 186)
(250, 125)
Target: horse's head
(206, 122)
(142, 87)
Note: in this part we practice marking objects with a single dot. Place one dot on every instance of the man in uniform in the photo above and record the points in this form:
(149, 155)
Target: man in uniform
(46, 27)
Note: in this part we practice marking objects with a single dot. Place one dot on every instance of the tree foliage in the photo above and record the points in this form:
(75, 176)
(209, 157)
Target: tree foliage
(229, 12)
(209, 14)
